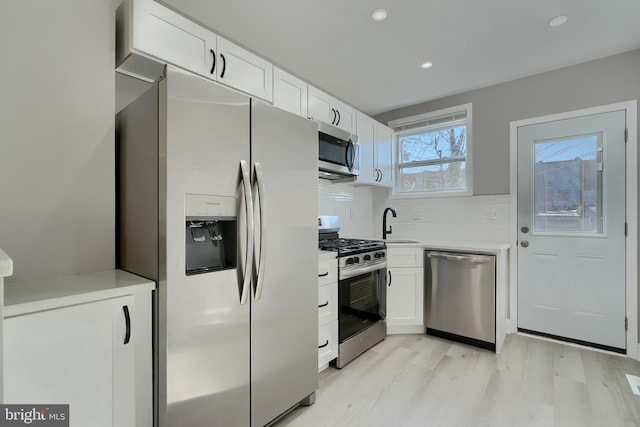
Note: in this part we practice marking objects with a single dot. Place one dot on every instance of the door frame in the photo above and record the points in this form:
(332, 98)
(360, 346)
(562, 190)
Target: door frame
(631, 212)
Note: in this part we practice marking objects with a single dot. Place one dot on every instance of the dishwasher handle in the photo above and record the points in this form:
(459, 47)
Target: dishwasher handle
(476, 259)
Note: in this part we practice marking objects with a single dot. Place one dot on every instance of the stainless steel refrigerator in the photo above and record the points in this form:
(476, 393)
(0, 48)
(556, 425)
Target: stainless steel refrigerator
(217, 202)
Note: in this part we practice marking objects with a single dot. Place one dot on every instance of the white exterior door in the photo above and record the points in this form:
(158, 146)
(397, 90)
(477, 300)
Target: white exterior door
(571, 229)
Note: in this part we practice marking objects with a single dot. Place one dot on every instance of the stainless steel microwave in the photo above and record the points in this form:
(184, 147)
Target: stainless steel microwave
(338, 154)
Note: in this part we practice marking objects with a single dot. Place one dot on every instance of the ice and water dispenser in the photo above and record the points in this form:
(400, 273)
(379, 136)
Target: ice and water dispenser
(211, 224)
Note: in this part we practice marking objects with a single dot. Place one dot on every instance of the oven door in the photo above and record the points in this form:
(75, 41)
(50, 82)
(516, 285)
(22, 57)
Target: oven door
(362, 301)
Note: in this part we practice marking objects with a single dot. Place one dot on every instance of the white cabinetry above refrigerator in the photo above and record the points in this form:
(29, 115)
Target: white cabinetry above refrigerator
(289, 92)
(150, 35)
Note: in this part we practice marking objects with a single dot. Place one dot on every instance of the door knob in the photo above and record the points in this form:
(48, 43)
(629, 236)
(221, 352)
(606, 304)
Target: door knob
(524, 244)
(524, 229)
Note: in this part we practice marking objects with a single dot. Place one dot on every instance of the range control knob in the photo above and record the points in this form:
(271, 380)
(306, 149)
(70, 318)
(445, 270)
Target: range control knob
(356, 260)
(379, 255)
(376, 255)
(367, 257)
(349, 261)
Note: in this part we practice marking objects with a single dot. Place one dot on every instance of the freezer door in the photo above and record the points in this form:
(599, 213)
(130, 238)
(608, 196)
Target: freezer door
(284, 318)
(204, 329)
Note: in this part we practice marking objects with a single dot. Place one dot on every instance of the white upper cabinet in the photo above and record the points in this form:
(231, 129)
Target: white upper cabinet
(325, 108)
(384, 154)
(289, 92)
(148, 32)
(241, 69)
(366, 128)
(346, 116)
(376, 152)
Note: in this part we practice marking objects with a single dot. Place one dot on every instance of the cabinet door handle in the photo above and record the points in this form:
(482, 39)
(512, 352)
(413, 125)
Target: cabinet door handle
(390, 278)
(380, 180)
(338, 113)
(224, 65)
(377, 175)
(324, 345)
(324, 305)
(333, 121)
(323, 274)
(127, 320)
(213, 66)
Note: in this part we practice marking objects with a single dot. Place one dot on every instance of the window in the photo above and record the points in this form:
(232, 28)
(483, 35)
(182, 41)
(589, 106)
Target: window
(568, 185)
(434, 153)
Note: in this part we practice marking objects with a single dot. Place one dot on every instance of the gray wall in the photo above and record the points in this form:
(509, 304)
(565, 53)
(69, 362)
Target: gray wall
(600, 82)
(56, 136)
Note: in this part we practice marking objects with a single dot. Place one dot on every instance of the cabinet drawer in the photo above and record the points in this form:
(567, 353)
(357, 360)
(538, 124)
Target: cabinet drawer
(327, 303)
(327, 343)
(327, 271)
(405, 257)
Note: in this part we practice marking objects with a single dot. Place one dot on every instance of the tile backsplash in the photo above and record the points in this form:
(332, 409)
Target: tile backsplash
(476, 218)
(360, 208)
(353, 204)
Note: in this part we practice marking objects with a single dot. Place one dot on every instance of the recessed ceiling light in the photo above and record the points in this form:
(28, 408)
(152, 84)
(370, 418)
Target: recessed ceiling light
(426, 65)
(558, 20)
(379, 14)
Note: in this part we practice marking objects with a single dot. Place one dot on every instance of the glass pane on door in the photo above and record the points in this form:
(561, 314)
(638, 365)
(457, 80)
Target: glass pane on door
(568, 185)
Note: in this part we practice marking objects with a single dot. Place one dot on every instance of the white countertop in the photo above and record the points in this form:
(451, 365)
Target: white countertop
(6, 265)
(46, 294)
(476, 247)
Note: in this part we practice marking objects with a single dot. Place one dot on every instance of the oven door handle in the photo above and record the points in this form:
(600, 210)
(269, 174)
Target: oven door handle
(345, 274)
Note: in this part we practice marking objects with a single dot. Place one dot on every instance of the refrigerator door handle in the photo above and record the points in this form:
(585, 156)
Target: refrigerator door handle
(248, 232)
(261, 261)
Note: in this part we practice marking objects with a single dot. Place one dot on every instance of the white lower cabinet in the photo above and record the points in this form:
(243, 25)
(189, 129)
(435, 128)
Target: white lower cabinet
(74, 355)
(405, 290)
(94, 356)
(327, 344)
(327, 312)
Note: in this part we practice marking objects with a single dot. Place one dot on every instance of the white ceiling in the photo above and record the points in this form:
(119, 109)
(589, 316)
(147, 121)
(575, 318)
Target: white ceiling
(374, 66)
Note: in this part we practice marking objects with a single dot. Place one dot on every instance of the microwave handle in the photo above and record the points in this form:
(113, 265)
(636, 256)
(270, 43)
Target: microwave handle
(351, 155)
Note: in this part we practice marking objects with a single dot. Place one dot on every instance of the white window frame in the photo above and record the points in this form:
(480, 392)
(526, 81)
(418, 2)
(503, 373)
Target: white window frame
(397, 125)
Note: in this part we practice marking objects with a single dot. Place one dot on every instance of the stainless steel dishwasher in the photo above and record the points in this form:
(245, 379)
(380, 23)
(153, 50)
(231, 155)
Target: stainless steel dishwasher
(459, 297)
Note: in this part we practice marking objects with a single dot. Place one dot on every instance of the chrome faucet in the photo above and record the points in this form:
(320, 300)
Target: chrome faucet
(384, 222)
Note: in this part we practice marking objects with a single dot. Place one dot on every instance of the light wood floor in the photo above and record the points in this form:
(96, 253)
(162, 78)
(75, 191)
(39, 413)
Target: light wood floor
(419, 380)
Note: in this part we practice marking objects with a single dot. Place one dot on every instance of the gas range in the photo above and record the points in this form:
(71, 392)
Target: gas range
(346, 247)
(362, 287)
(355, 256)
